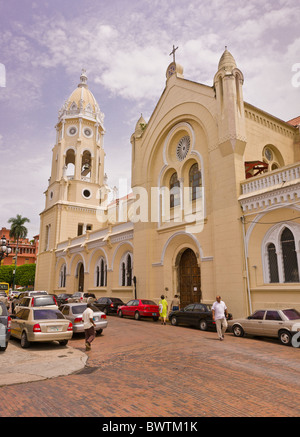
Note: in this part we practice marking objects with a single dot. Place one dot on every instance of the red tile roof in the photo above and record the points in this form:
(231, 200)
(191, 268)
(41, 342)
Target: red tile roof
(295, 121)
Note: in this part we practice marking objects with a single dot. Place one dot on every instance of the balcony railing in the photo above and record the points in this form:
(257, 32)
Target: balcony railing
(271, 179)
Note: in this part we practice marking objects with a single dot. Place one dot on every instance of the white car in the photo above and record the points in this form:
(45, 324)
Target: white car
(282, 324)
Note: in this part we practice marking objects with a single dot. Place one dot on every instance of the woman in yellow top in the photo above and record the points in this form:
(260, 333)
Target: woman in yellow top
(163, 309)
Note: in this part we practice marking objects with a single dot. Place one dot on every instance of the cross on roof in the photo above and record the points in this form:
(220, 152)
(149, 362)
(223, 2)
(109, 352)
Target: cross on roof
(173, 52)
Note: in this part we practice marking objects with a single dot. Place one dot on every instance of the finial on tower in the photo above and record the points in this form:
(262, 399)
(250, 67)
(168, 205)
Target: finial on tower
(83, 78)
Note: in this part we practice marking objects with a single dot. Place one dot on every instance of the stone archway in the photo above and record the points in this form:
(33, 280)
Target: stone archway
(189, 278)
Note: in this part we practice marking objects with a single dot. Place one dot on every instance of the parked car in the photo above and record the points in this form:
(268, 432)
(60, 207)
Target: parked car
(138, 308)
(282, 324)
(195, 314)
(40, 324)
(4, 298)
(73, 312)
(82, 297)
(62, 298)
(108, 304)
(5, 327)
(38, 300)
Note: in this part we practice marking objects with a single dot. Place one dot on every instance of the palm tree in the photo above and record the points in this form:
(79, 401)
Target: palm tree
(17, 231)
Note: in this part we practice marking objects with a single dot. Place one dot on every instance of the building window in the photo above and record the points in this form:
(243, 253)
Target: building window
(101, 273)
(281, 257)
(273, 264)
(174, 190)
(47, 237)
(62, 276)
(195, 181)
(126, 270)
(290, 264)
(80, 229)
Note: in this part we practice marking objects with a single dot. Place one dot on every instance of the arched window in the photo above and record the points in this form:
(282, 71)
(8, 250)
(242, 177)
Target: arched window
(195, 181)
(62, 276)
(126, 270)
(273, 264)
(281, 258)
(174, 190)
(289, 256)
(101, 273)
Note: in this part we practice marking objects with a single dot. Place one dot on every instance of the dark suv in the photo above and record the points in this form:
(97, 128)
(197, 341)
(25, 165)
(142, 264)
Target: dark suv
(5, 322)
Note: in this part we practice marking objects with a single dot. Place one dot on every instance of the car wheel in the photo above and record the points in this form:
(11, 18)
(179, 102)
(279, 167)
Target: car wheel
(63, 342)
(120, 314)
(24, 341)
(137, 315)
(155, 319)
(174, 321)
(285, 337)
(203, 325)
(238, 331)
(99, 331)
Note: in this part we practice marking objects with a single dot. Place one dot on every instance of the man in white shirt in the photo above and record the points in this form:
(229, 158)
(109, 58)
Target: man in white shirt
(219, 315)
(89, 326)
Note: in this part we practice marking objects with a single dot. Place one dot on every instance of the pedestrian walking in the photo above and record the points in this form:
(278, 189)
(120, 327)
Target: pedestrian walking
(175, 304)
(219, 315)
(89, 326)
(163, 309)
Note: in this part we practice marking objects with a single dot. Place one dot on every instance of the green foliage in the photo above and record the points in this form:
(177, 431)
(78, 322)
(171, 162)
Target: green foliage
(25, 275)
(6, 274)
(17, 228)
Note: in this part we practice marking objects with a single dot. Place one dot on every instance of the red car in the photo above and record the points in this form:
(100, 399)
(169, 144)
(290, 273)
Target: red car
(138, 308)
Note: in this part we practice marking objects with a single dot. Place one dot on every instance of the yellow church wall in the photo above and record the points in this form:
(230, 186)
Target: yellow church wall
(263, 293)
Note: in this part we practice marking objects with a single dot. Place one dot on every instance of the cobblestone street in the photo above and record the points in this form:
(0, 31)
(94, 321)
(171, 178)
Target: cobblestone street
(144, 369)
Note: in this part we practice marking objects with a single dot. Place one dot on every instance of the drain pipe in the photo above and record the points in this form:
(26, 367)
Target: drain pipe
(247, 268)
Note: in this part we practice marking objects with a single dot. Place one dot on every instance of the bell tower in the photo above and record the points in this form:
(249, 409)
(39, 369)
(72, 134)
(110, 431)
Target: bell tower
(228, 83)
(77, 175)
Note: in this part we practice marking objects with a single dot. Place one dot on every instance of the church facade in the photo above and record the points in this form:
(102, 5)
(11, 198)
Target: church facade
(214, 207)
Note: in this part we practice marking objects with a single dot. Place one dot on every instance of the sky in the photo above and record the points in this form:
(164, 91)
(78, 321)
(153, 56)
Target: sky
(124, 45)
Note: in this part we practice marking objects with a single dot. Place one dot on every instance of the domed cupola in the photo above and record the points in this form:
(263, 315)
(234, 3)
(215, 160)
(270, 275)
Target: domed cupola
(82, 103)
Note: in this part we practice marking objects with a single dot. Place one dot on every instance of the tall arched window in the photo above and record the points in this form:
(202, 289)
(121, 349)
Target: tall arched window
(174, 190)
(126, 270)
(195, 181)
(289, 256)
(273, 264)
(62, 276)
(101, 273)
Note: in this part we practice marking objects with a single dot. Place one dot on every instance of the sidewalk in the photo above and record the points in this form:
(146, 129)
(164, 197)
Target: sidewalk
(37, 363)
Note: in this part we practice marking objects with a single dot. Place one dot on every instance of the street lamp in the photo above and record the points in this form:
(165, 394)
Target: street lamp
(5, 248)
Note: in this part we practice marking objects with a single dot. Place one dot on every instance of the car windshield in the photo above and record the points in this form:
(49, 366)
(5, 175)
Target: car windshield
(115, 299)
(76, 294)
(78, 309)
(291, 314)
(44, 301)
(47, 314)
(148, 302)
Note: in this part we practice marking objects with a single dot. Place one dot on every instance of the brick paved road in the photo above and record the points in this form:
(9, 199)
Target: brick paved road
(144, 369)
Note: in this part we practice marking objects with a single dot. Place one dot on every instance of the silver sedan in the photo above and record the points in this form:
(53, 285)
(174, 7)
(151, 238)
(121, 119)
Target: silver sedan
(74, 311)
(40, 324)
(282, 324)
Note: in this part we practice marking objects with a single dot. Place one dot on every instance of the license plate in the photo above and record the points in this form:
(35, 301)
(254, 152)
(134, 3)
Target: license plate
(153, 314)
(96, 319)
(54, 328)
